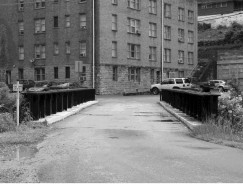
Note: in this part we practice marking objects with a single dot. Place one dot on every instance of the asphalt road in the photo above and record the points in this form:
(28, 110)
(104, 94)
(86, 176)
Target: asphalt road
(132, 139)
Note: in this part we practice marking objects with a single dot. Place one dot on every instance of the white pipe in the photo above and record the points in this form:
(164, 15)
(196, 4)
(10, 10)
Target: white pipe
(94, 44)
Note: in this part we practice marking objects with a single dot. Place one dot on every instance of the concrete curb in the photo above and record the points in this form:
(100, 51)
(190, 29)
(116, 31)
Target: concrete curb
(189, 123)
(54, 118)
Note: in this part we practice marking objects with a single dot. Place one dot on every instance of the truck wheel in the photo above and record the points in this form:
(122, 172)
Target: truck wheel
(221, 89)
(155, 91)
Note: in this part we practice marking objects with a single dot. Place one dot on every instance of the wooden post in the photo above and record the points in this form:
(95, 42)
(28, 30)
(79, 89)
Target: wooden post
(17, 103)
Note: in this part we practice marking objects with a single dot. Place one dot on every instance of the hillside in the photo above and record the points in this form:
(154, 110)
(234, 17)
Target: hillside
(221, 35)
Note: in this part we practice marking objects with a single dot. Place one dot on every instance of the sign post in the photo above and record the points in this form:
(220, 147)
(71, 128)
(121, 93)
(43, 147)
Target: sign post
(17, 87)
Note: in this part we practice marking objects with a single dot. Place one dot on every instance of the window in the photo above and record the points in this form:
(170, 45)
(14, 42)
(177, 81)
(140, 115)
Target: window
(190, 37)
(55, 1)
(55, 72)
(40, 51)
(114, 22)
(56, 49)
(209, 5)
(167, 10)
(181, 74)
(133, 26)
(152, 53)
(179, 81)
(114, 49)
(203, 6)
(39, 74)
(21, 53)
(115, 74)
(21, 5)
(82, 1)
(82, 48)
(21, 73)
(40, 4)
(133, 51)
(167, 55)
(153, 6)
(83, 21)
(40, 25)
(21, 28)
(157, 76)
(181, 35)
(67, 21)
(134, 74)
(152, 30)
(152, 76)
(190, 58)
(83, 74)
(180, 57)
(67, 72)
(67, 48)
(223, 4)
(167, 33)
(114, 2)
(190, 16)
(134, 4)
(181, 14)
(55, 21)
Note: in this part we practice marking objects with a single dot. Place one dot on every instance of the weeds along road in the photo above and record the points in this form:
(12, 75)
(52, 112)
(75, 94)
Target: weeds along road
(131, 139)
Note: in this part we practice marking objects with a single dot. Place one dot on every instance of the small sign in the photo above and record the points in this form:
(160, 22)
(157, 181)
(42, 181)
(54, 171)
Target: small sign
(15, 87)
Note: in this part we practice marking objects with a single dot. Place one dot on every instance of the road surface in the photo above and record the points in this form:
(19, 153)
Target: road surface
(131, 139)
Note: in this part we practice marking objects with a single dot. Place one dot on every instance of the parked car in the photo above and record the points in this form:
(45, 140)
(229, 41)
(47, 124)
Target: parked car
(26, 84)
(215, 84)
(171, 83)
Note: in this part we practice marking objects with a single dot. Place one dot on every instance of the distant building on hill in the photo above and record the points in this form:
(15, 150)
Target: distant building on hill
(214, 7)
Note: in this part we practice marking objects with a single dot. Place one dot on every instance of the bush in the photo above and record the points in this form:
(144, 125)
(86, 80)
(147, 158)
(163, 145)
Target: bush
(8, 109)
(6, 122)
(230, 111)
(203, 26)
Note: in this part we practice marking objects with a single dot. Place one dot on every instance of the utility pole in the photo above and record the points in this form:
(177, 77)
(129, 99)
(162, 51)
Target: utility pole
(93, 44)
(162, 40)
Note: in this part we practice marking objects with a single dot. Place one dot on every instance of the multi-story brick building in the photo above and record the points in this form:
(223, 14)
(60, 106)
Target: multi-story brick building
(48, 39)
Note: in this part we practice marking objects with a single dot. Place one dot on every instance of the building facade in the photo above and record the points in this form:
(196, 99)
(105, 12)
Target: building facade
(53, 40)
(214, 7)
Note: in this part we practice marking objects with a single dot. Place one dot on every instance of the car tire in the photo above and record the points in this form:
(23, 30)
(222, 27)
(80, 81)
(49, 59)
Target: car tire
(155, 91)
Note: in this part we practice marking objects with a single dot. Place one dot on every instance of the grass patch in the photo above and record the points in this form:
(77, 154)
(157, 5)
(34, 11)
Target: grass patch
(216, 133)
(28, 133)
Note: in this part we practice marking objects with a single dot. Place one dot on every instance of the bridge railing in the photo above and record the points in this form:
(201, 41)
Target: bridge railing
(45, 103)
(199, 105)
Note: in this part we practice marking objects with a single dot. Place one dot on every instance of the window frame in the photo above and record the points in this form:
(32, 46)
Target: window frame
(134, 51)
(152, 29)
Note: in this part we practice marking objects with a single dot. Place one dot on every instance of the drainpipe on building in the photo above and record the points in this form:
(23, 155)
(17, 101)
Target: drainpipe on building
(93, 44)
(162, 40)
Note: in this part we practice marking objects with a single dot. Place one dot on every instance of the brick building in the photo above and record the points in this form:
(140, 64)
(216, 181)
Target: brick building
(214, 7)
(48, 39)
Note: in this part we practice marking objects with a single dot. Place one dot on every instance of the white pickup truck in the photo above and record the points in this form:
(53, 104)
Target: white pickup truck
(171, 83)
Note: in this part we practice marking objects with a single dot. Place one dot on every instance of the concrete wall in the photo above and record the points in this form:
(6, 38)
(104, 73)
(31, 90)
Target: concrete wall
(230, 65)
